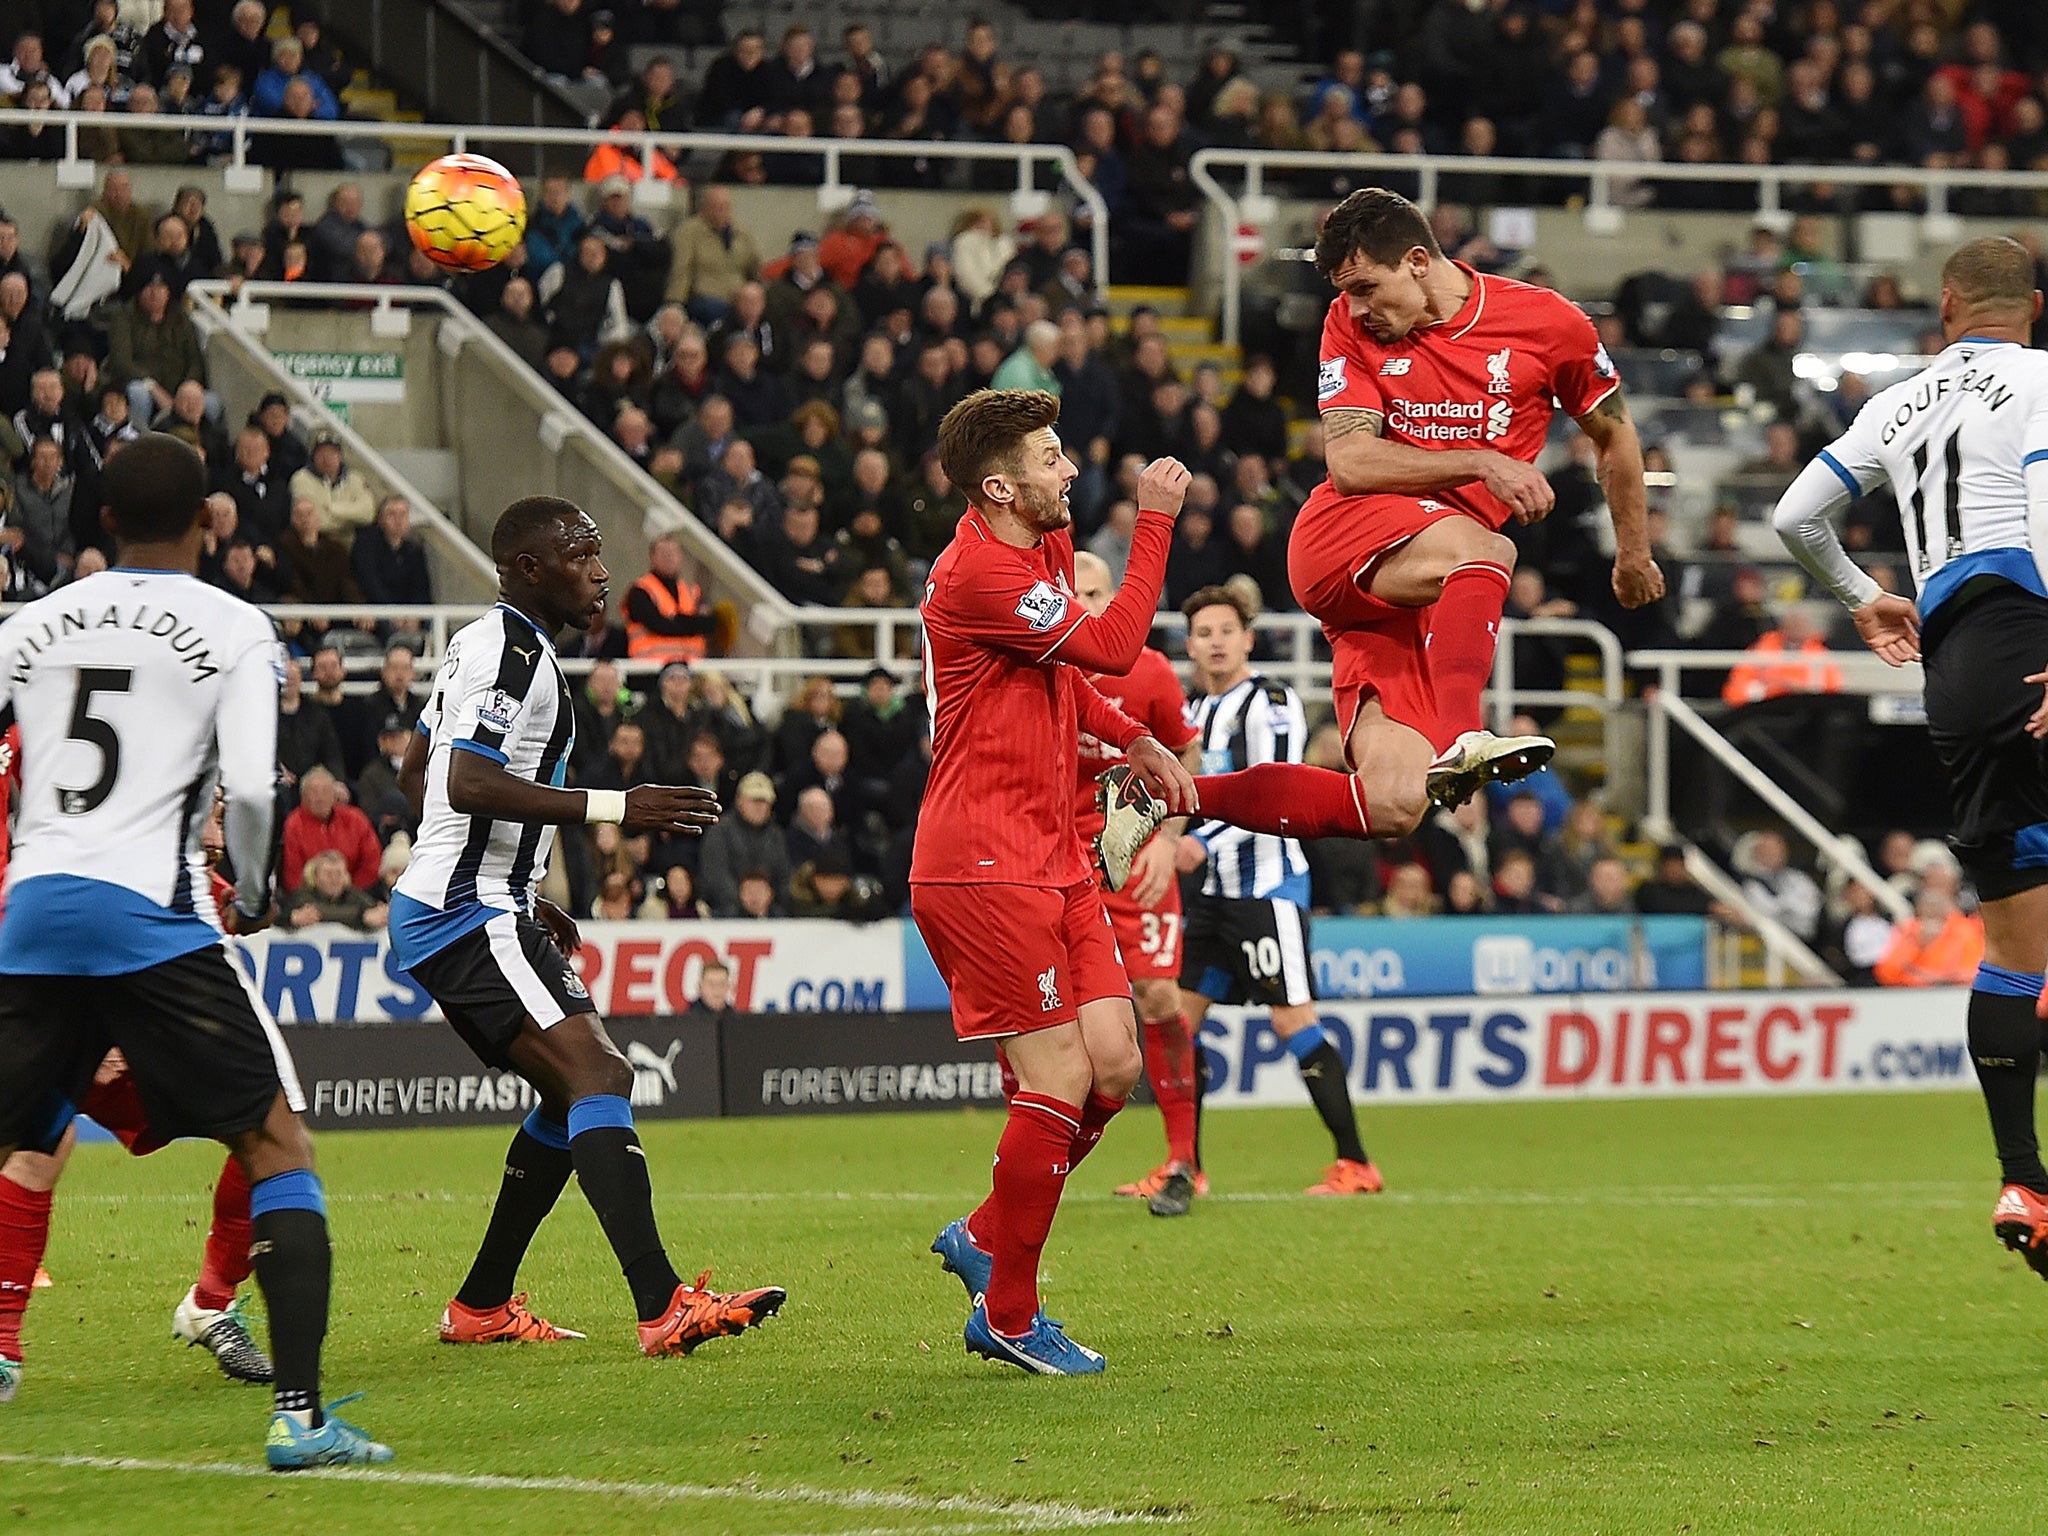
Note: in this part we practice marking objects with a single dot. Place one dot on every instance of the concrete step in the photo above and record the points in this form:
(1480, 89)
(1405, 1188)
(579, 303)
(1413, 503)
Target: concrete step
(1168, 301)
(1188, 328)
(1191, 354)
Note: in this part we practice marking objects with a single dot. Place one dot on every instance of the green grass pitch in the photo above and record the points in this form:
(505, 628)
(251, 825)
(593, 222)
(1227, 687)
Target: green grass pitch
(1682, 1316)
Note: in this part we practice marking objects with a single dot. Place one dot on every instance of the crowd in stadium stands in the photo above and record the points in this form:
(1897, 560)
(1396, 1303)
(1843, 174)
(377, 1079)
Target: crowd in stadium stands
(790, 397)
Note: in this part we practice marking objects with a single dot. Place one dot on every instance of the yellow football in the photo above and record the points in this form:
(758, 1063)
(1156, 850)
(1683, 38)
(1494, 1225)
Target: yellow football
(465, 212)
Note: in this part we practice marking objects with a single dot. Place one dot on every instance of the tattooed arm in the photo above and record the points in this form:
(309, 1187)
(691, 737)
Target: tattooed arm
(1364, 463)
(1637, 580)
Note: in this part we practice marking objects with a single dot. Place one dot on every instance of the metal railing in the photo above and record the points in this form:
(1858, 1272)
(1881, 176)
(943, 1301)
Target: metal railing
(896, 641)
(561, 422)
(1861, 672)
(454, 554)
(1252, 205)
(73, 170)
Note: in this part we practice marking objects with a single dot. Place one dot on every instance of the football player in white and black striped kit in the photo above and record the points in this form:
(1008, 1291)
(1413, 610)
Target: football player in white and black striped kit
(139, 691)
(484, 774)
(1964, 447)
(1247, 932)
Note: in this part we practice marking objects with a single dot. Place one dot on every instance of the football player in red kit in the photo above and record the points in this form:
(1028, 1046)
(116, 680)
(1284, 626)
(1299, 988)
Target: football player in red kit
(1146, 913)
(210, 1313)
(1437, 390)
(1000, 881)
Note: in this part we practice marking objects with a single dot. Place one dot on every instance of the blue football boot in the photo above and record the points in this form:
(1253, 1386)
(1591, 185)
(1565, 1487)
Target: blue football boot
(1045, 1350)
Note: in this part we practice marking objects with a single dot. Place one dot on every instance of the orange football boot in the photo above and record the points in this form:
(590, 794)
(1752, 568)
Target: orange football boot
(1345, 1177)
(2021, 1221)
(697, 1313)
(1153, 1182)
(508, 1324)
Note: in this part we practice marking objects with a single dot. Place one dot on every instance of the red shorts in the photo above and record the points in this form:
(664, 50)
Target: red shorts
(1149, 937)
(1019, 958)
(116, 1105)
(1377, 648)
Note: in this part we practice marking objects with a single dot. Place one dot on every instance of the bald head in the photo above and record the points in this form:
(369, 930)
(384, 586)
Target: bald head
(1988, 282)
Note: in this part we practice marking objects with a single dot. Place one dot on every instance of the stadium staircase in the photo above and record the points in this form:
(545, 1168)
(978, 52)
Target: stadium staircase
(1190, 335)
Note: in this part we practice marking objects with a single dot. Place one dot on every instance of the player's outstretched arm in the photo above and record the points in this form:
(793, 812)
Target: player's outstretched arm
(1637, 580)
(1363, 462)
(479, 787)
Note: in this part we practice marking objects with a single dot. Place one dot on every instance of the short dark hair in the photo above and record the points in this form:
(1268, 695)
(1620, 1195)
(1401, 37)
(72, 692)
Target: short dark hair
(521, 525)
(1995, 271)
(1217, 597)
(154, 488)
(984, 433)
(1372, 222)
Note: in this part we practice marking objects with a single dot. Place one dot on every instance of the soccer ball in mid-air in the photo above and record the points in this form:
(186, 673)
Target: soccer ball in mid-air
(465, 212)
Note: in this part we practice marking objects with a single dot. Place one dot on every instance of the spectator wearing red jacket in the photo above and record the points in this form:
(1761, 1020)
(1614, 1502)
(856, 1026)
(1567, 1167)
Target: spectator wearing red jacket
(846, 251)
(323, 821)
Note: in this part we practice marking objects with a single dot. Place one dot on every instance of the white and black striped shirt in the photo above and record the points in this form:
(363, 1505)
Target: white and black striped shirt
(1258, 721)
(501, 694)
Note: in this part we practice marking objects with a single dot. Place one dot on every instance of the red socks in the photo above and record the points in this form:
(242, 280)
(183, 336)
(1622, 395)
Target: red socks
(1032, 1162)
(1170, 1065)
(226, 1263)
(1287, 800)
(1464, 630)
(24, 1232)
(1095, 1117)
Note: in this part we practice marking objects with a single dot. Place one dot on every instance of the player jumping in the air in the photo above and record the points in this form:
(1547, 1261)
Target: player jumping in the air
(1000, 882)
(483, 773)
(1146, 914)
(138, 690)
(1247, 934)
(1964, 448)
(1437, 389)
(210, 1314)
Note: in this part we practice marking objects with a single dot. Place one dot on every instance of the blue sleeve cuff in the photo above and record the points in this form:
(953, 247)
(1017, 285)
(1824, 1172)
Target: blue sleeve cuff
(1836, 465)
(2038, 456)
(463, 744)
(421, 727)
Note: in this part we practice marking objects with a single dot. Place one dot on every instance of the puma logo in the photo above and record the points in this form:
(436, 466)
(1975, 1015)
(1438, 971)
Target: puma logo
(523, 653)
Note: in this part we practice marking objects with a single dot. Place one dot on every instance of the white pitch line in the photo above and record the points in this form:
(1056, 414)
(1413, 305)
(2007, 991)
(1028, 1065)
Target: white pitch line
(1945, 1194)
(1020, 1515)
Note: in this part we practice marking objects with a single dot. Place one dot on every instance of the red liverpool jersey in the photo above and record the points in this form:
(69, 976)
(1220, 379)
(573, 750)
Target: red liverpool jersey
(1489, 377)
(1007, 712)
(1150, 693)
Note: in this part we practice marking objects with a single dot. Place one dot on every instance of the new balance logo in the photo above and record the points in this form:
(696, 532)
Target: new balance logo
(1048, 989)
(1394, 367)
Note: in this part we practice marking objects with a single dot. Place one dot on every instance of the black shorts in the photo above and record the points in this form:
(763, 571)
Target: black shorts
(205, 1054)
(493, 979)
(1978, 703)
(1252, 950)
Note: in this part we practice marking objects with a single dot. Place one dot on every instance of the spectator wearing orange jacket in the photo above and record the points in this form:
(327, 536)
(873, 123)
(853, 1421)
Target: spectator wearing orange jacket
(624, 158)
(847, 250)
(323, 821)
(1775, 672)
(1939, 945)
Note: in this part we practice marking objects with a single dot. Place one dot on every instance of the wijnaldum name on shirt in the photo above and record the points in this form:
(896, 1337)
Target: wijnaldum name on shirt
(187, 641)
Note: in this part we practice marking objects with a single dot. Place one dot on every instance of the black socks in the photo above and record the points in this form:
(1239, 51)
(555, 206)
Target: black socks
(612, 1169)
(1322, 1069)
(537, 1165)
(2005, 1044)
